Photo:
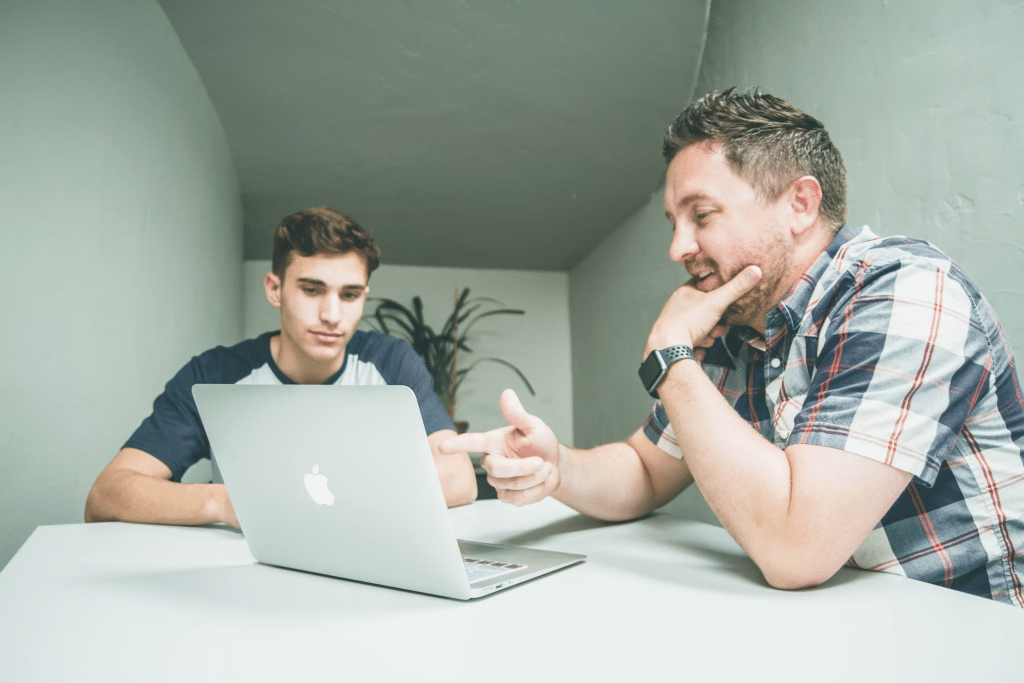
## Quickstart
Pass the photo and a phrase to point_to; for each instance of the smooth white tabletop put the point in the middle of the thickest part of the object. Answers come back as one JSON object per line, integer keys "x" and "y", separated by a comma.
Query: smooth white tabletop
{"x": 658, "y": 599}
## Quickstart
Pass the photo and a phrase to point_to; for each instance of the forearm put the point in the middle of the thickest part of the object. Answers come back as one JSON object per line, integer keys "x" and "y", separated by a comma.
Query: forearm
{"x": 609, "y": 482}
{"x": 746, "y": 480}
{"x": 458, "y": 480}
{"x": 455, "y": 470}
{"x": 799, "y": 513}
{"x": 129, "y": 496}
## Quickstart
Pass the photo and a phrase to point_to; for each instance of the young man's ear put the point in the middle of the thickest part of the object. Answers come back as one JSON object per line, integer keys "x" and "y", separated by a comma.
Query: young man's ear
{"x": 804, "y": 201}
{"x": 272, "y": 285}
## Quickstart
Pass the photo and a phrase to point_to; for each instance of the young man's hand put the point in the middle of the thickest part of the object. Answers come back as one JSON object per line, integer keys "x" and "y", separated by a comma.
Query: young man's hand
{"x": 224, "y": 511}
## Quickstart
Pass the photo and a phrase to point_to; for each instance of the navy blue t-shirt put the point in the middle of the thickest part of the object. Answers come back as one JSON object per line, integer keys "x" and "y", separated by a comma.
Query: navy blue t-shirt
{"x": 174, "y": 433}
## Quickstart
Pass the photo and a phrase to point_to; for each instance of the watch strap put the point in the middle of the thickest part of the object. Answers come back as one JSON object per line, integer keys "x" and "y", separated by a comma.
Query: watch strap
{"x": 679, "y": 352}
{"x": 654, "y": 369}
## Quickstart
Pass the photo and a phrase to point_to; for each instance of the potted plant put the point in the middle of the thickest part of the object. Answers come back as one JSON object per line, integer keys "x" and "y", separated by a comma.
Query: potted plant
{"x": 440, "y": 349}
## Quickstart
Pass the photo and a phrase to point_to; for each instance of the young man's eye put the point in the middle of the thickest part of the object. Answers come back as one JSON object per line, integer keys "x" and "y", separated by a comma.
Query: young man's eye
{"x": 311, "y": 291}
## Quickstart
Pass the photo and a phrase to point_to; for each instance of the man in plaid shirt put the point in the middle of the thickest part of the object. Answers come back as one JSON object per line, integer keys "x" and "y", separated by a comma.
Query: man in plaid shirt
{"x": 839, "y": 398}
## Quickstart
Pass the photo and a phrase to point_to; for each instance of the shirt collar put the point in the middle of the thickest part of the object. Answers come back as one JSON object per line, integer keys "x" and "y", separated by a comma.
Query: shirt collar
{"x": 794, "y": 306}
{"x": 790, "y": 311}
{"x": 726, "y": 350}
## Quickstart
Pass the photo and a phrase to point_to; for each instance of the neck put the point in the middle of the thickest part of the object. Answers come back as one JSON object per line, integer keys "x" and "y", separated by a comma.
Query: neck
{"x": 804, "y": 254}
{"x": 299, "y": 369}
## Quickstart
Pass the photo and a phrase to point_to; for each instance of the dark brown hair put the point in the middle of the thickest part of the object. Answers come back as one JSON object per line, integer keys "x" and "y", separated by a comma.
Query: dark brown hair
{"x": 767, "y": 142}
{"x": 322, "y": 231}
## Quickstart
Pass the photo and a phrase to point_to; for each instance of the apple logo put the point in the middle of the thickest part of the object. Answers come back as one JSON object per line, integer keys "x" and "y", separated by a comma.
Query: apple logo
{"x": 316, "y": 484}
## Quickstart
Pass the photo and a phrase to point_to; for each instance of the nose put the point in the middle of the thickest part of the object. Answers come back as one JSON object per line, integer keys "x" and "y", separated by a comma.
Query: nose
{"x": 330, "y": 310}
{"x": 684, "y": 243}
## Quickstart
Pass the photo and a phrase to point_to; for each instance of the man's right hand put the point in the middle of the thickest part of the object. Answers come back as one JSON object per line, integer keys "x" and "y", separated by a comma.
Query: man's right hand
{"x": 521, "y": 460}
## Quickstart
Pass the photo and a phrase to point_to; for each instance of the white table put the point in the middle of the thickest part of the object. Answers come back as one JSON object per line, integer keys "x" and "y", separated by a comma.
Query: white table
{"x": 659, "y": 599}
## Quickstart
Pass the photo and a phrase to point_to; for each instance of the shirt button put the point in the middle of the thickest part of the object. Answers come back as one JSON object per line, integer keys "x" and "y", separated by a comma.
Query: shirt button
{"x": 775, "y": 362}
{"x": 783, "y": 434}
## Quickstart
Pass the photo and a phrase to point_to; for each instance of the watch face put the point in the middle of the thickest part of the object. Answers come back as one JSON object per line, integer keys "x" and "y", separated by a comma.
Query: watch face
{"x": 654, "y": 369}
{"x": 651, "y": 372}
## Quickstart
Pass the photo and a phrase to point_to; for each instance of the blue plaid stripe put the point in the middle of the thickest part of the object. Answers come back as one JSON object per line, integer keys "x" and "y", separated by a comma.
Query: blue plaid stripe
{"x": 890, "y": 351}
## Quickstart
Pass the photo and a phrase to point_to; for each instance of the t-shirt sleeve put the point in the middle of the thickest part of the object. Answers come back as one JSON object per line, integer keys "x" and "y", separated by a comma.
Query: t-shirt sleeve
{"x": 405, "y": 367}
{"x": 173, "y": 433}
{"x": 899, "y": 363}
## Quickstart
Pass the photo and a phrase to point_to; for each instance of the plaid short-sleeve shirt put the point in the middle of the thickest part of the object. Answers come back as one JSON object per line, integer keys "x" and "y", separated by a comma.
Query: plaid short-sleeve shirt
{"x": 886, "y": 348}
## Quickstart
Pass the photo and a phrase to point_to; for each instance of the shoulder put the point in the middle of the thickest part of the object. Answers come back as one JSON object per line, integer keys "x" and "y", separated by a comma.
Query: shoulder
{"x": 869, "y": 258}
{"x": 229, "y": 364}
{"x": 898, "y": 270}
{"x": 900, "y": 288}
{"x": 374, "y": 358}
{"x": 392, "y": 356}
{"x": 868, "y": 252}
{"x": 369, "y": 344}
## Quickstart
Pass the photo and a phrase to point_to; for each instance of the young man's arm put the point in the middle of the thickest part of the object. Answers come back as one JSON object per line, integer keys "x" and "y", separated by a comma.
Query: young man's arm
{"x": 458, "y": 480}
{"x": 137, "y": 487}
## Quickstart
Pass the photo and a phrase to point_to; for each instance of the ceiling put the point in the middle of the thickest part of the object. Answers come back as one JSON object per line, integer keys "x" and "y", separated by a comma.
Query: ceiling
{"x": 466, "y": 133}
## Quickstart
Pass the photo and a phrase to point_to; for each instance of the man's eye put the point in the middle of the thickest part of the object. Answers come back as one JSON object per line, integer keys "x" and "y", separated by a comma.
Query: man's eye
{"x": 309, "y": 290}
{"x": 349, "y": 296}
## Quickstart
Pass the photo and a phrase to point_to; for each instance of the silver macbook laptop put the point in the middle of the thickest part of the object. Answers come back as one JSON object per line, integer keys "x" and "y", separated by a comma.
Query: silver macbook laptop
{"x": 341, "y": 481}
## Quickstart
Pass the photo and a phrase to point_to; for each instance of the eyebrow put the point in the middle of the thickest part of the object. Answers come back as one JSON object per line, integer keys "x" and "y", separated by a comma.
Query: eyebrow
{"x": 692, "y": 198}
{"x": 321, "y": 283}
{"x": 689, "y": 199}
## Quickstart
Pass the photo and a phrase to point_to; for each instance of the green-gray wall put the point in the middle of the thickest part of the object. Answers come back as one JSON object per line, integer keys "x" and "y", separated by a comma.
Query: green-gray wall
{"x": 121, "y": 230}
{"x": 924, "y": 101}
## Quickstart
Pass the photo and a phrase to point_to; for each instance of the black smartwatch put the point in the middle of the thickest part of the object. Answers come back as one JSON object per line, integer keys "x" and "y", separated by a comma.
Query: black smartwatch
{"x": 654, "y": 369}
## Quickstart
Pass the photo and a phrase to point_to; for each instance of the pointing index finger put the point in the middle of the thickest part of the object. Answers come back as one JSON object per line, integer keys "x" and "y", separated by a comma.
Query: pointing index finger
{"x": 464, "y": 443}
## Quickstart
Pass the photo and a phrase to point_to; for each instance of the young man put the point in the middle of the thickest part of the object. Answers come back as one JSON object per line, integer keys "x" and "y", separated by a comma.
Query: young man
{"x": 322, "y": 263}
{"x": 838, "y": 398}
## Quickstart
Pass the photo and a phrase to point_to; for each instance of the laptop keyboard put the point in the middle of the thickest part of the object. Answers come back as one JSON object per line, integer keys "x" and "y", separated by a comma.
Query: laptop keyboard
{"x": 478, "y": 570}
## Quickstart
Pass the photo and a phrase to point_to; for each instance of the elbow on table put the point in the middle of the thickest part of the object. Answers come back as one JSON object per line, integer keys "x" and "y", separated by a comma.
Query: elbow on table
{"x": 462, "y": 491}
{"x": 616, "y": 511}
{"x": 788, "y": 574}
{"x": 470, "y": 492}
{"x": 93, "y": 507}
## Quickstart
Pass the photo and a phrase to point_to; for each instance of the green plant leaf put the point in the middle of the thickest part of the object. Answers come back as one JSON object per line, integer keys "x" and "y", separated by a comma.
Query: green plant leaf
{"x": 501, "y": 311}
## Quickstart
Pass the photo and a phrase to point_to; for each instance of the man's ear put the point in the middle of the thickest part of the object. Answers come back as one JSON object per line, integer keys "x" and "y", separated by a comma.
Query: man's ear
{"x": 804, "y": 200}
{"x": 272, "y": 285}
